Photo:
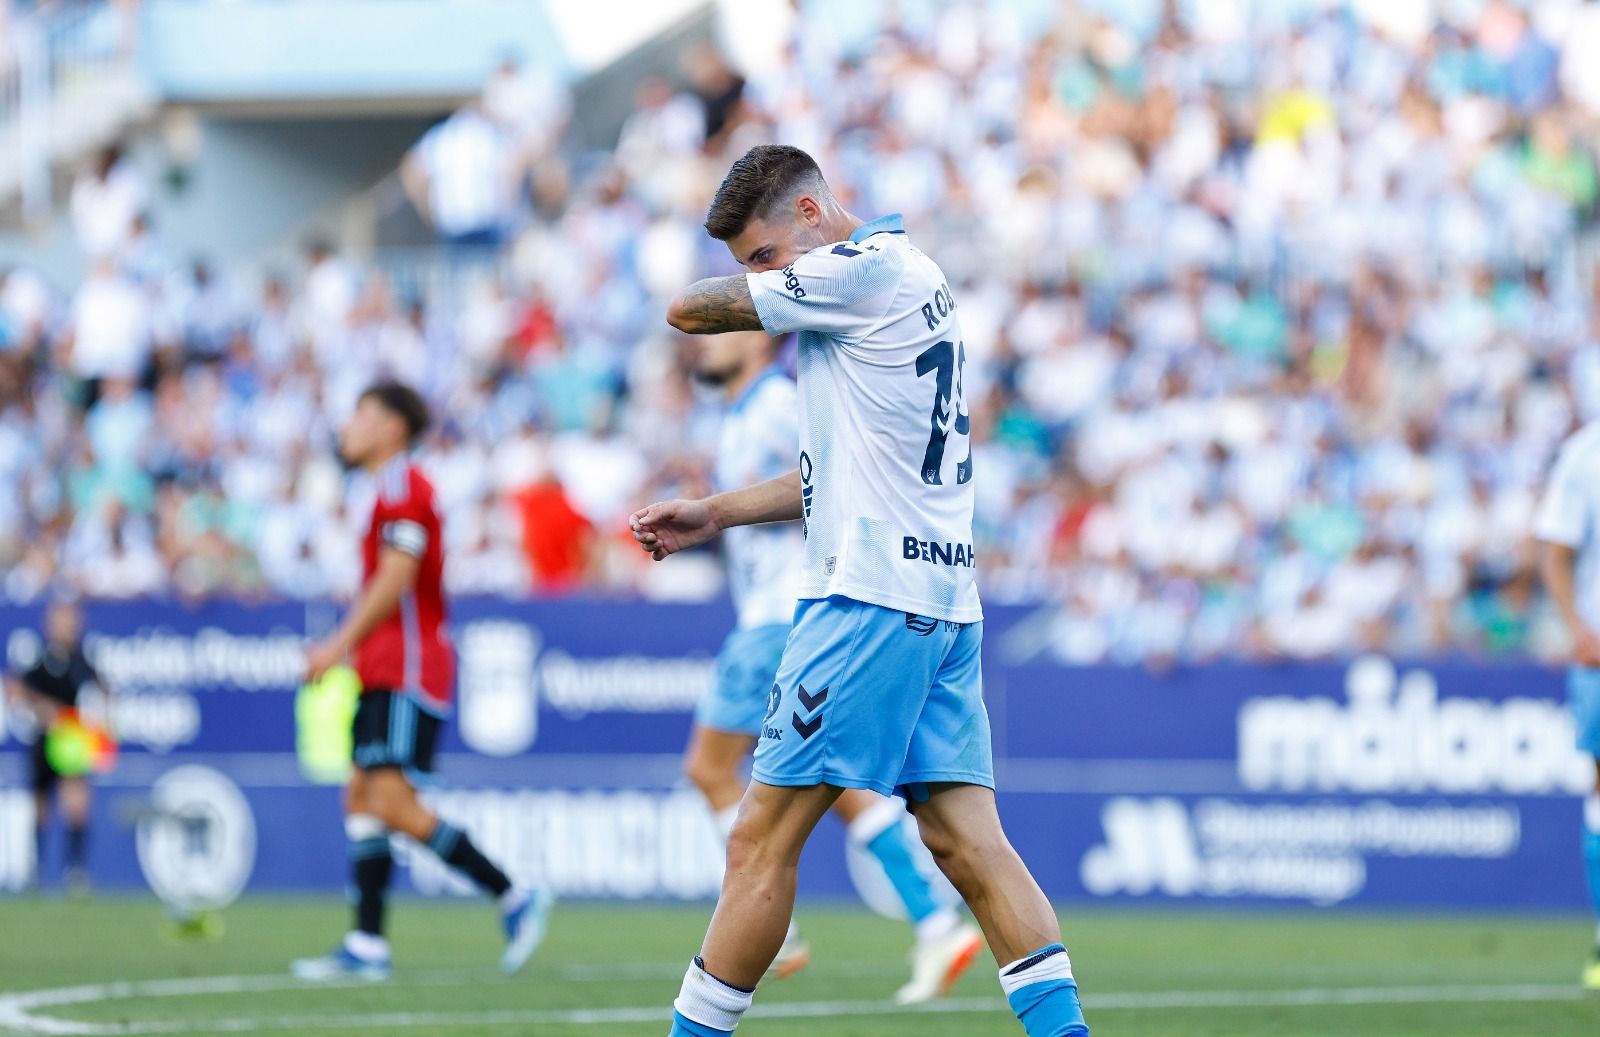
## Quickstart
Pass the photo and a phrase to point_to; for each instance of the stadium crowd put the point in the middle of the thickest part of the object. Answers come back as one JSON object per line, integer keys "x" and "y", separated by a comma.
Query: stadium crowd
{"x": 1276, "y": 313}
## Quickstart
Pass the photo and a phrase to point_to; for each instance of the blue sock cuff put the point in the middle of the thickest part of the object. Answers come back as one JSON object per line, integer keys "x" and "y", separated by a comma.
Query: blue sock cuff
{"x": 1049, "y": 1009}
{"x": 682, "y": 1027}
{"x": 363, "y": 849}
{"x": 444, "y": 838}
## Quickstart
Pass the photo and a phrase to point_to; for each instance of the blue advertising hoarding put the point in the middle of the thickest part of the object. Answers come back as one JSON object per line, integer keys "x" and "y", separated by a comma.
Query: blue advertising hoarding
{"x": 1366, "y": 783}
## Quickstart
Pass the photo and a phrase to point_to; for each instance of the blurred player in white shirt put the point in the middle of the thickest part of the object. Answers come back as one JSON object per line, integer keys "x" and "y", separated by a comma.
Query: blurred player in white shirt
{"x": 1567, "y": 524}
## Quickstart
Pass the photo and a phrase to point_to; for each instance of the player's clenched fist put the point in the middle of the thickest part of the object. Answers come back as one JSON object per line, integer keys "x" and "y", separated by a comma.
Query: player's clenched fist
{"x": 668, "y": 527}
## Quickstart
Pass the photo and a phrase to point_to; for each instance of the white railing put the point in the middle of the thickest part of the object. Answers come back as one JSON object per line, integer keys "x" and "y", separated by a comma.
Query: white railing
{"x": 55, "y": 68}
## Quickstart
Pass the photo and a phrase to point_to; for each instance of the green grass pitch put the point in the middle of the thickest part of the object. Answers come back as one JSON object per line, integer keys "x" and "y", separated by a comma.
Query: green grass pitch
{"x": 611, "y": 971}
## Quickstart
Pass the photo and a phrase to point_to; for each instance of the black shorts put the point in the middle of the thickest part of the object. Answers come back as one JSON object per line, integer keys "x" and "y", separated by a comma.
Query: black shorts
{"x": 45, "y": 777}
{"x": 391, "y": 730}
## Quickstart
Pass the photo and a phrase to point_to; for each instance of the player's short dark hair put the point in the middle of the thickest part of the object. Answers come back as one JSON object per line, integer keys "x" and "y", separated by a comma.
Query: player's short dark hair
{"x": 404, "y": 402}
{"x": 763, "y": 178}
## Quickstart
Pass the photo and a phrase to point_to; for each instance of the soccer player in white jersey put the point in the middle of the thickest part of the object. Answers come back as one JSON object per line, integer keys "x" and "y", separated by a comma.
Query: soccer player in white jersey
{"x": 1569, "y": 523}
{"x": 880, "y": 686}
{"x": 759, "y": 437}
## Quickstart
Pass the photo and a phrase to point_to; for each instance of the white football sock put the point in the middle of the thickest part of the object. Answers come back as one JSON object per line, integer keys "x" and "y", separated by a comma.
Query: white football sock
{"x": 938, "y": 925}
{"x": 707, "y": 1000}
{"x": 874, "y": 821}
{"x": 366, "y": 946}
{"x": 1056, "y": 966}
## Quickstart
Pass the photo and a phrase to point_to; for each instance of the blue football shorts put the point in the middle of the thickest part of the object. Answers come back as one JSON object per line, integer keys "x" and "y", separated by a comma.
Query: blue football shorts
{"x": 869, "y": 697}
{"x": 747, "y": 666}
{"x": 1583, "y": 693}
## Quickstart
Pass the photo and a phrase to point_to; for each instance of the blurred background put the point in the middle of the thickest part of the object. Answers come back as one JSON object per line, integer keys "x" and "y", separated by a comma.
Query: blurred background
{"x": 1276, "y": 313}
{"x": 1278, "y": 310}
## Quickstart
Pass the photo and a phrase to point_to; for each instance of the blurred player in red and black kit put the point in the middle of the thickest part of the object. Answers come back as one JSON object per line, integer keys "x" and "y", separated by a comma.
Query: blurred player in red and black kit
{"x": 403, "y": 655}
{"x": 49, "y": 686}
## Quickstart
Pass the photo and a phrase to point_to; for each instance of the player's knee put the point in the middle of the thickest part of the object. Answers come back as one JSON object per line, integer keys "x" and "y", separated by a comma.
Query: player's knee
{"x": 704, "y": 774}
{"x": 753, "y": 846}
{"x": 965, "y": 858}
{"x": 355, "y": 795}
{"x": 385, "y": 802}
{"x": 746, "y": 848}
{"x": 383, "y": 810}
{"x": 940, "y": 841}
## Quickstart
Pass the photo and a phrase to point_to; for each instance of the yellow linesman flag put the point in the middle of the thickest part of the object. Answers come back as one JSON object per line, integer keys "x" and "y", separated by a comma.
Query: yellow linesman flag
{"x": 323, "y": 713}
{"x": 75, "y": 747}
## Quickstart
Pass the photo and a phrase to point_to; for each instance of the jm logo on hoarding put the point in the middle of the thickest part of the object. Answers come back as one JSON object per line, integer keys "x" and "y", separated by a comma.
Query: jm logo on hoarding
{"x": 1297, "y": 849}
{"x": 1152, "y": 847}
{"x": 499, "y": 687}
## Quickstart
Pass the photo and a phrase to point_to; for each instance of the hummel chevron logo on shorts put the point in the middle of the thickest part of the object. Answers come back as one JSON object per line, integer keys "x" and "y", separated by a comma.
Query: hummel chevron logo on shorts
{"x": 810, "y": 703}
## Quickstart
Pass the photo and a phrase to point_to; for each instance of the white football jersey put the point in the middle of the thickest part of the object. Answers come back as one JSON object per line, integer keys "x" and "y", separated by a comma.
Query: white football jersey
{"x": 885, "y": 452}
{"x": 1570, "y": 511}
{"x": 760, "y": 435}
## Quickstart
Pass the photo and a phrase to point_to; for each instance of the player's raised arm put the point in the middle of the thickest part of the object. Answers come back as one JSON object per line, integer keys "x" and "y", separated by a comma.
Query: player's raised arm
{"x": 667, "y": 527}
{"x": 714, "y": 305}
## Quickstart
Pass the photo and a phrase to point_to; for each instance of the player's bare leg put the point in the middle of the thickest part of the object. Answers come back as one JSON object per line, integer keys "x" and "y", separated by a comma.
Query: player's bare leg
{"x": 961, "y": 828}
{"x": 393, "y": 800}
{"x": 379, "y": 801}
{"x": 946, "y": 945}
{"x": 711, "y": 763}
{"x": 758, "y": 887}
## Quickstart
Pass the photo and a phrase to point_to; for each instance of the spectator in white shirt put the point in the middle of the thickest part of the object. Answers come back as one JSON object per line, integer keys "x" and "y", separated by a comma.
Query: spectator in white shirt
{"x": 107, "y": 197}
{"x": 462, "y": 176}
{"x": 110, "y": 327}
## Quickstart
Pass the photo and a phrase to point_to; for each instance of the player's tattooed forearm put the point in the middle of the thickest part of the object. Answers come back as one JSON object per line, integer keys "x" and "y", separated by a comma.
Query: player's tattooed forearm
{"x": 715, "y": 305}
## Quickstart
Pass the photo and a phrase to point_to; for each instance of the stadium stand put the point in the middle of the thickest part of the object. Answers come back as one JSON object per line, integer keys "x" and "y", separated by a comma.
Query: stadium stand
{"x": 1276, "y": 322}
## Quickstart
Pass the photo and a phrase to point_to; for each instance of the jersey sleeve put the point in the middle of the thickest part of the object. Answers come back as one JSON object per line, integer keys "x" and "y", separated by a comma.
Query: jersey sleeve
{"x": 1564, "y": 512}
{"x": 841, "y": 290}
{"x": 403, "y": 522}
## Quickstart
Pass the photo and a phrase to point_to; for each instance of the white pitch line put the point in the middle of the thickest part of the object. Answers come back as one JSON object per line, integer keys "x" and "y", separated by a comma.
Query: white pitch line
{"x": 18, "y": 1011}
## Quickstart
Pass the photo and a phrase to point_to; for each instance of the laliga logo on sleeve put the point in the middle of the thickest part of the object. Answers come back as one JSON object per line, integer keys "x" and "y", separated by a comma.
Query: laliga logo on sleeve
{"x": 499, "y": 689}
{"x": 792, "y": 283}
{"x": 197, "y": 839}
